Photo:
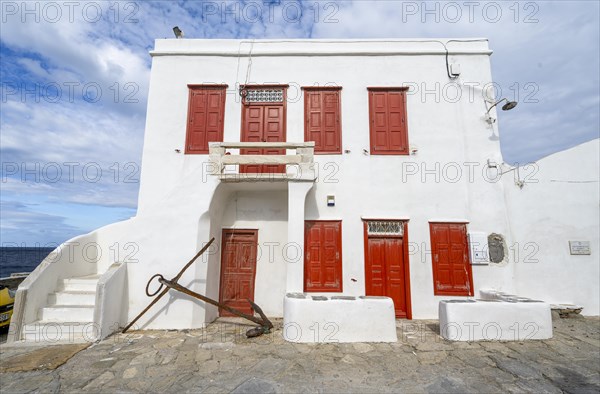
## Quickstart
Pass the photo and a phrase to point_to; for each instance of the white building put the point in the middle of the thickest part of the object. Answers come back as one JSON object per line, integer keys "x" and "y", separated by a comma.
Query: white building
{"x": 405, "y": 165}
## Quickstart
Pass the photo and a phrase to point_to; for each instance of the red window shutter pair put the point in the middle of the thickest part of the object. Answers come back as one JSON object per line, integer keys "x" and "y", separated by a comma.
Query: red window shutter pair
{"x": 452, "y": 274}
{"x": 387, "y": 118}
{"x": 323, "y": 256}
{"x": 322, "y": 119}
{"x": 206, "y": 111}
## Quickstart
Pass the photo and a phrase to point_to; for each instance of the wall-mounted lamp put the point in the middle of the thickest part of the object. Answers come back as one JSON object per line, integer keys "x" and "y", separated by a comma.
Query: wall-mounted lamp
{"x": 506, "y": 107}
{"x": 178, "y": 32}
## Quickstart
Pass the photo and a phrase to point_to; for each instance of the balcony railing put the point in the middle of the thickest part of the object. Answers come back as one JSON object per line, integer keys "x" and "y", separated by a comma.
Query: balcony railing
{"x": 299, "y": 166}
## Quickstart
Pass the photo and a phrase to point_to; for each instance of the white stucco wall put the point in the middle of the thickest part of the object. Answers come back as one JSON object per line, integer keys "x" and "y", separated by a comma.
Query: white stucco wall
{"x": 267, "y": 212}
{"x": 558, "y": 203}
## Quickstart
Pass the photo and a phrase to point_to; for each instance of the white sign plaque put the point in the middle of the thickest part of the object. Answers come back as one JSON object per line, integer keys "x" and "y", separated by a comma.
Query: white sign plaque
{"x": 580, "y": 247}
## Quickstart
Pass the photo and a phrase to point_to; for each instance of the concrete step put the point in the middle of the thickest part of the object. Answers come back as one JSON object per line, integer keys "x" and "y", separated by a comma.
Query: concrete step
{"x": 84, "y": 283}
{"x": 42, "y": 331}
{"x": 87, "y": 298}
{"x": 67, "y": 313}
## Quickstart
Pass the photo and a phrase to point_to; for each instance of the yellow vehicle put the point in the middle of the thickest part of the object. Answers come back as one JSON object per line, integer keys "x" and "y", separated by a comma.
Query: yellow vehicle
{"x": 7, "y": 301}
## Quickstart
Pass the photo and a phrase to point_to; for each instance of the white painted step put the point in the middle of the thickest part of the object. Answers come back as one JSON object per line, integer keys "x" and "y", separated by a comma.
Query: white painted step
{"x": 66, "y": 313}
{"x": 87, "y": 298}
{"x": 65, "y": 332}
{"x": 84, "y": 283}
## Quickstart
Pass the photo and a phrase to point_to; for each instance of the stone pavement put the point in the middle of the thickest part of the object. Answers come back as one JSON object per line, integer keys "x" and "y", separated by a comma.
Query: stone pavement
{"x": 220, "y": 359}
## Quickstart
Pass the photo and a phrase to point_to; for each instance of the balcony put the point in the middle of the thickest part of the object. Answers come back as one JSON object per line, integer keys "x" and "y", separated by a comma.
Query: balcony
{"x": 299, "y": 166}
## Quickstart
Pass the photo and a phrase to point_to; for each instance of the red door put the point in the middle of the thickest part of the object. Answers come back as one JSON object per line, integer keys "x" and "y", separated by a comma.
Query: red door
{"x": 452, "y": 274}
{"x": 263, "y": 122}
{"x": 238, "y": 269}
{"x": 386, "y": 263}
{"x": 323, "y": 256}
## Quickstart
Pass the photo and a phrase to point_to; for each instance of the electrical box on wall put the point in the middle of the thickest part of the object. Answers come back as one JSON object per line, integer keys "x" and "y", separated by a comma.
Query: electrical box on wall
{"x": 455, "y": 69}
{"x": 331, "y": 200}
{"x": 478, "y": 248}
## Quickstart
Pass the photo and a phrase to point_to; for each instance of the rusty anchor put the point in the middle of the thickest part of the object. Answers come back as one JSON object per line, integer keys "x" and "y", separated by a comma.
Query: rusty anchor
{"x": 264, "y": 323}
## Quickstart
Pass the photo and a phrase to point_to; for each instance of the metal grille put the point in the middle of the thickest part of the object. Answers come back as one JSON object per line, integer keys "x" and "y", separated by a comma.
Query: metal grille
{"x": 264, "y": 95}
{"x": 380, "y": 227}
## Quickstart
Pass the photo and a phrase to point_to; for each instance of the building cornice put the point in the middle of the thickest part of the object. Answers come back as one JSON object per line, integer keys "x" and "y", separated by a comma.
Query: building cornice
{"x": 258, "y": 48}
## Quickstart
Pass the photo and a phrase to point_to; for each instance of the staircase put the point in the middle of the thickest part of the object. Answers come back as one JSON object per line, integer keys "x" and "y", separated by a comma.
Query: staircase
{"x": 68, "y": 315}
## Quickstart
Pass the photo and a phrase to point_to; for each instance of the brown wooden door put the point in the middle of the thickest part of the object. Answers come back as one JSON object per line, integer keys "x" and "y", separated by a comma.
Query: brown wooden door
{"x": 323, "y": 256}
{"x": 452, "y": 274}
{"x": 238, "y": 269}
{"x": 263, "y": 123}
{"x": 385, "y": 271}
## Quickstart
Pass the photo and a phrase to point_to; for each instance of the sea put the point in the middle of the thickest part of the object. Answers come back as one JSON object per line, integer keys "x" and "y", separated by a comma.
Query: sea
{"x": 21, "y": 259}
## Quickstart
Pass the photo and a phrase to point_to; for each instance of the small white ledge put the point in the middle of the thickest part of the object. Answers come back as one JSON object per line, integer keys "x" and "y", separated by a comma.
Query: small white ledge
{"x": 510, "y": 319}
{"x": 310, "y": 319}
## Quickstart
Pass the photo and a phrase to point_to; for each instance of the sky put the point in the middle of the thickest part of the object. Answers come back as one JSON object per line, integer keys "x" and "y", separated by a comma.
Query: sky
{"x": 74, "y": 82}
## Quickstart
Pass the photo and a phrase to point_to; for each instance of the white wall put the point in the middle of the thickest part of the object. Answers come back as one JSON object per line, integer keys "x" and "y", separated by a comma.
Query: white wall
{"x": 448, "y": 134}
{"x": 559, "y": 203}
{"x": 267, "y": 212}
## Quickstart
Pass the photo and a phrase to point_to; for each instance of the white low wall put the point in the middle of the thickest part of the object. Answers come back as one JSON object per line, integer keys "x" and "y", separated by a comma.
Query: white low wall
{"x": 309, "y": 319}
{"x": 110, "y": 311}
{"x": 470, "y": 320}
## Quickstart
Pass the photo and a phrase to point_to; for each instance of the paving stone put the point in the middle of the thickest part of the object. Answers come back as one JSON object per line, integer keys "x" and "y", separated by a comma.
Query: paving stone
{"x": 515, "y": 367}
{"x": 431, "y": 357}
{"x": 255, "y": 385}
{"x": 362, "y": 347}
{"x": 445, "y": 384}
{"x": 130, "y": 373}
{"x": 217, "y": 345}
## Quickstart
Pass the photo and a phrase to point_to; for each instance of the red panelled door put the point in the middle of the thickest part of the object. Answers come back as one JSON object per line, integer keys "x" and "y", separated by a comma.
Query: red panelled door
{"x": 386, "y": 273}
{"x": 323, "y": 256}
{"x": 206, "y": 109}
{"x": 322, "y": 119}
{"x": 452, "y": 274}
{"x": 388, "y": 129}
{"x": 263, "y": 122}
{"x": 238, "y": 269}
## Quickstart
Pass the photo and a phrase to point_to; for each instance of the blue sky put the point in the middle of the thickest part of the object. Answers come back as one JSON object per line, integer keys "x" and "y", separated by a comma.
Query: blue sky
{"x": 74, "y": 79}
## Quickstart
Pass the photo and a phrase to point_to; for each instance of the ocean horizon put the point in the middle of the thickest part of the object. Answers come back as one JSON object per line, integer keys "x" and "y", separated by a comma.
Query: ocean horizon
{"x": 21, "y": 259}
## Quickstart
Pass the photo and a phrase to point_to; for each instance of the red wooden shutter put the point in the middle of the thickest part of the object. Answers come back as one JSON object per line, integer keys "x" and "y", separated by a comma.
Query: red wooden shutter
{"x": 206, "y": 110}
{"x": 323, "y": 256}
{"x": 452, "y": 274}
{"x": 322, "y": 123}
{"x": 387, "y": 118}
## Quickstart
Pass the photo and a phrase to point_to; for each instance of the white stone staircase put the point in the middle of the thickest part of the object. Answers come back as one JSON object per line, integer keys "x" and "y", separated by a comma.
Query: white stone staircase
{"x": 68, "y": 315}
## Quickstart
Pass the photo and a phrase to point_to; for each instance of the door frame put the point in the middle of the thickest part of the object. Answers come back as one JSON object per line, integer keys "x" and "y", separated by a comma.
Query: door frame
{"x": 224, "y": 232}
{"x": 407, "y": 291}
